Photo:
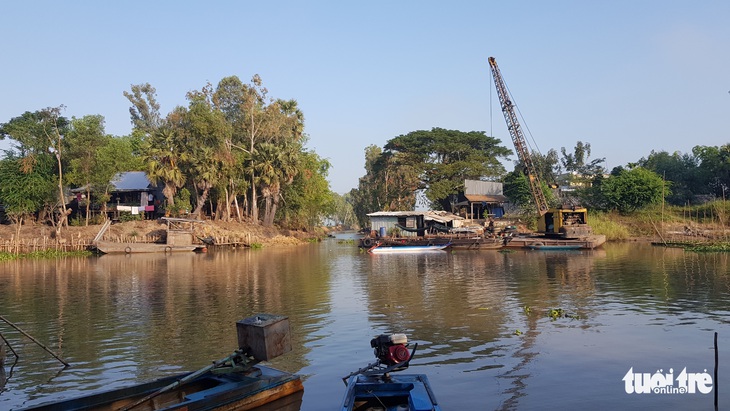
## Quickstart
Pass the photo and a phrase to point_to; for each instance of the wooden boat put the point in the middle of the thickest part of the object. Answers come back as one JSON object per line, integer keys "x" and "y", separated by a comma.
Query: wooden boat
{"x": 589, "y": 242}
{"x": 375, "y": 388}
{"x": 392, "y": 249}
{"x": 230, "y": 391}
{"x": 179, "y": 237}
{"x": 556, "y": 247}
{"x": 109, "y": 247}
{"x": 477, "y": 243}
{"x": 235, "y": 383}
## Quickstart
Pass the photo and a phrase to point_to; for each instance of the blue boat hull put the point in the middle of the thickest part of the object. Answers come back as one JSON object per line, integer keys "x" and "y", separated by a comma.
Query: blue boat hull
{"x": 399, "y": 392}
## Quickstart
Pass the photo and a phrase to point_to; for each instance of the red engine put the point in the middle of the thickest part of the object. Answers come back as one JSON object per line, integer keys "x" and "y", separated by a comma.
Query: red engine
{"x": 391, "y": 349}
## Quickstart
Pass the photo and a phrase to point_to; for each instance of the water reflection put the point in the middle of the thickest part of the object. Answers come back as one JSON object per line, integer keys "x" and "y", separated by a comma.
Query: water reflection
{"x": 481, "y": 318}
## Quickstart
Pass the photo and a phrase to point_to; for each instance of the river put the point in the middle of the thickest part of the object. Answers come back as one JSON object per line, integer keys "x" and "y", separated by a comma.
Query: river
{"x": 481, "y": 319}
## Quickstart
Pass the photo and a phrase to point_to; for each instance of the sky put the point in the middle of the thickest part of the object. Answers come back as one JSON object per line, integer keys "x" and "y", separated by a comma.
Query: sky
{"x": 627, "y": 77}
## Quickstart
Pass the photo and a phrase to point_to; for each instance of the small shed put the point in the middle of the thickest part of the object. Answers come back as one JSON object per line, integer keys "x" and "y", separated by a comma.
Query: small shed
{"x": 482, "y": 199}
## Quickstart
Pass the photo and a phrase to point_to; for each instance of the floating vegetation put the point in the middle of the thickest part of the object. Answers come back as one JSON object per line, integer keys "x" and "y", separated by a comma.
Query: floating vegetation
{"x": 518, "y": 332}
{"x": 350, "y": 241}
{"x": 527, "y": 309}
{"x": 556, "y": 313}
{"x": 256, "y": 245}
{"x": 45, "y": 254}
{"x": 710, "y": 248}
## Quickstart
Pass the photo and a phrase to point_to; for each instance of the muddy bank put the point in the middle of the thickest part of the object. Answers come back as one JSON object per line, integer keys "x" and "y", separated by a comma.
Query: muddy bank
{"x": 154, "y": 229}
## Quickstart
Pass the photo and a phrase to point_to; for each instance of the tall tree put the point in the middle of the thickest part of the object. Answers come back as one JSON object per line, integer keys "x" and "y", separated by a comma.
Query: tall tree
{"x": 206, "y": 133}
{"x": 42, "y": 132}
{"x": 444, "y": 158}
{"x": 84, "y": 140}
{"x": 163, "y": 154}
{"x": 682, "y": 170}
{"x": 27, "y": 185}
{"x": 117, "y": 155}
{"x": 715, "y": 168}
{"x": 576, "y": 163}
{"x": 145, "y": 110}
{"x": 309, "y": 198}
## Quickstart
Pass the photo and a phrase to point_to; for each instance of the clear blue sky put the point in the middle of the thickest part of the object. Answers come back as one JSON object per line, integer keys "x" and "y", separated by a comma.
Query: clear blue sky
{"x": 627, "y": 77}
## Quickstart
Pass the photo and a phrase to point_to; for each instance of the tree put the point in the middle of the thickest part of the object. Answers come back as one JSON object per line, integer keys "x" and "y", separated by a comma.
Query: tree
{"x": 442, "y": 159}
{"x": 682, "y": 170}
{"x": 343, "y": 213}
{"x": 84, "y": 140}
{"x": 163, "y": 156}
{"x": 27, "y": 185}
{"x": 205, "y": 133}
{"x": 581, "y": 170}
{"x": 309, "y": 198}
{"x": 42, "y": 132}
{"x": 714, "y": 168}
{"x": 114, "y": 157}
{"x": 256, "y": 118}
{"x": 630, "y": 190}
{"x": 145, "y": 111}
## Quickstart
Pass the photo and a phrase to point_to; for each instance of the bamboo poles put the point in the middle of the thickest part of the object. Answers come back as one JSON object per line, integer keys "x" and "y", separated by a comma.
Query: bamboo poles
{"x": 34, "y": 340}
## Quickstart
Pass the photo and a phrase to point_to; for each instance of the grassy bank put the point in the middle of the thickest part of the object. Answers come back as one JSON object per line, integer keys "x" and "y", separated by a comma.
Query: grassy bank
{"x": 703, "y": 224}
{"x": 37, "y": 255}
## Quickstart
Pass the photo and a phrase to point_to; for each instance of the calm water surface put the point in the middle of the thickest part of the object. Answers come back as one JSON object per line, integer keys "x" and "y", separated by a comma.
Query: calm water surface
{"x": 481, "y": 320}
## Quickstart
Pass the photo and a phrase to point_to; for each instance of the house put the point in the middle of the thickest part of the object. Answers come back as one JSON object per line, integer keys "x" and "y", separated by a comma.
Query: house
{"x": 130, "y": 192}
{"x": 412, "y": 223}
{"x": 133, "y": 192}
{"x": 481, "y": 199}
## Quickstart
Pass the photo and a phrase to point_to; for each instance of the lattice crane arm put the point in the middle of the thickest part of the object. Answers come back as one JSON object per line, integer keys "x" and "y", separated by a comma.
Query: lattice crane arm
{"x": 518, "y": 139}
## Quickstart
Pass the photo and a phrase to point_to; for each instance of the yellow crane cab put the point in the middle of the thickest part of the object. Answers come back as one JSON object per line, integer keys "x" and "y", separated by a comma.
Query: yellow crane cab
{"x": 565, "y": 222}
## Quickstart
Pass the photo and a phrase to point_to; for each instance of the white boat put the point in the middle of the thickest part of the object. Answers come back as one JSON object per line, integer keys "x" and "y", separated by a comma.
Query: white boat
{"x": 391, "y": 249}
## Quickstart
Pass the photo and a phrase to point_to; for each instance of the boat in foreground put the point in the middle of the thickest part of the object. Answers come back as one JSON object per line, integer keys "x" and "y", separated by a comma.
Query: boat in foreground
{"x": 235, "y": 383}
{"x": 375, "y": 388}
{"x": 389, "y": 249}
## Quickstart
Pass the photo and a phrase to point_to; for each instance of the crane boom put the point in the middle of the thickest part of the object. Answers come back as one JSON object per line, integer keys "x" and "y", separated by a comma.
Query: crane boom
{"x": 518, "y": 139}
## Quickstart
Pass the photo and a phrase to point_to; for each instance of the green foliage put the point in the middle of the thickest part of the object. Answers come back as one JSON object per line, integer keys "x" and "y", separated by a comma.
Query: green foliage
{"x": 46, "y": 254}
{"x": 343, "y": 213}
{"x": 124, "y": 217}
{"x": 181, "y": 205}
{"x": 27, "y": 184}
{"x": 442, "y": 159}
{"x": 630, "y": 190}
{"x": 710, "y": 248}
{"x": 309, "y": 198}
{"x": 608, "y": 225}
{"x": 577, "y": 164}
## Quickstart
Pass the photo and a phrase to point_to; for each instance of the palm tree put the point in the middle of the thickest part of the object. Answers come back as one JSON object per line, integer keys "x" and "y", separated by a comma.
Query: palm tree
{"x": 163, "y": 158}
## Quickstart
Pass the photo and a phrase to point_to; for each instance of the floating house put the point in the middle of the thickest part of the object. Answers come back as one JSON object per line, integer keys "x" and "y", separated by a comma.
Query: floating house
{"x": 481, "y": 200}
{"x": 412, "y": 223}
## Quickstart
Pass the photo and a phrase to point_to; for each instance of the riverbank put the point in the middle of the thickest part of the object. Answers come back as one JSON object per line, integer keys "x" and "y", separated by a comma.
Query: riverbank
{"x": 73, "y": 238}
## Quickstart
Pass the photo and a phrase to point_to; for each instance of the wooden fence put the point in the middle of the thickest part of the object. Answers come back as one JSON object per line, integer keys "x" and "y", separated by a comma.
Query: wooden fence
{"x": 79, "y": 244}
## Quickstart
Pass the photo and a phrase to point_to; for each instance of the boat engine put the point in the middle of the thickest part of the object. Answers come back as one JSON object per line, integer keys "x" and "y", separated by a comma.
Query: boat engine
{"x": 391, "y": 349}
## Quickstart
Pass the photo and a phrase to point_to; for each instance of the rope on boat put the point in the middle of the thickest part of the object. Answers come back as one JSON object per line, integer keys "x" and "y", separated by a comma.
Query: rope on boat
{"x": 232, "y": 358}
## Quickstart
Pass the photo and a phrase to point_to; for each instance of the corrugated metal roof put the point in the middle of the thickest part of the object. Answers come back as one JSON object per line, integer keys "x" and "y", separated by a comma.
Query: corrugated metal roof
{"x": 477, "y": 187}
{"x": 495, "y": 198}
{"x": 132, "y": 181}
{"x": 440, "y": 216}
